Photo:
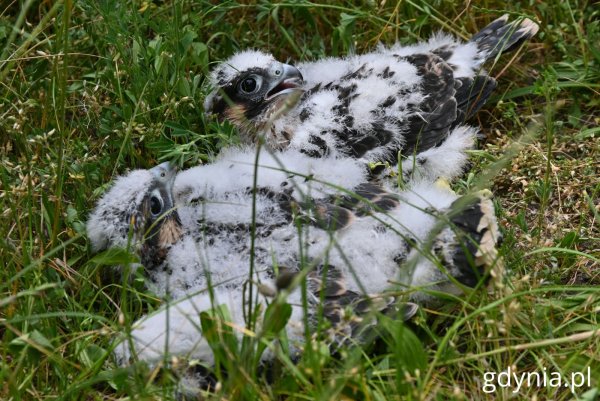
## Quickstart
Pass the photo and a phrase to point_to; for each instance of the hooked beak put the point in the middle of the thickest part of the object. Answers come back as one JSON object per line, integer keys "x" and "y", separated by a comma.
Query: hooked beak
{"x": 166, "y": 173}
{"x": 290, "y": 81}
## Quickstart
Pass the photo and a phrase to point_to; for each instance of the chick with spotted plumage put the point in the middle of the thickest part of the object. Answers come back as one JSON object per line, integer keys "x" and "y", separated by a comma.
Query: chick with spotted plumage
{"x": 359, "y": 246}
{"x": 407, "y": 103}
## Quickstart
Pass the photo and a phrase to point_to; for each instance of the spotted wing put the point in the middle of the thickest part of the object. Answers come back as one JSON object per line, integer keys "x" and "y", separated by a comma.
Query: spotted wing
{"x": 350, "y": 315}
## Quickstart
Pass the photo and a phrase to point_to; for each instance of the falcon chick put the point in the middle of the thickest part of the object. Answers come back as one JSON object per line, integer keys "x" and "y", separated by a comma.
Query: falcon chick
{"x": 403, "y": 100}
{"x": 138, "y": 212}
{"x": 358, "y": 245}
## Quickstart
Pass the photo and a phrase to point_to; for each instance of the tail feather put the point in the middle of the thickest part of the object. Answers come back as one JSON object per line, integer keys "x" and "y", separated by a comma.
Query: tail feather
{"x": 476, "y": 236}
{"x": 500, "y": 36}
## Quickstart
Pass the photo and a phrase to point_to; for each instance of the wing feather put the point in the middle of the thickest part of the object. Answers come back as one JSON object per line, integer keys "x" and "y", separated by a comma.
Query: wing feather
{"x": 430, "y": 125}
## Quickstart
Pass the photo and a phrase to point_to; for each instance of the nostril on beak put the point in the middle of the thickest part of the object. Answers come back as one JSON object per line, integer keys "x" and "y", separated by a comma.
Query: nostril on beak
{"x": 164, "y": 171}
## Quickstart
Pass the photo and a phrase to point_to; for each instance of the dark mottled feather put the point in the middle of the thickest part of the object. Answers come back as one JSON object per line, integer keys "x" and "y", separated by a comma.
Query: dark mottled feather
{"x": 500, "y": 36}
{"x": 471, "y": 95}
{"x": 467, "y": 225}
{"x": 437, "y": 113}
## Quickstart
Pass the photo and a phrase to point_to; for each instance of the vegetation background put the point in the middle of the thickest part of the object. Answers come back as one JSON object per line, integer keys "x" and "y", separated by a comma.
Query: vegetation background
{"x": 90, "y": 89}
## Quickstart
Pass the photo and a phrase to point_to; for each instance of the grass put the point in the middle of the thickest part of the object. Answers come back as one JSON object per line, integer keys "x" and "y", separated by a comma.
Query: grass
{"x": 89, "y": 89}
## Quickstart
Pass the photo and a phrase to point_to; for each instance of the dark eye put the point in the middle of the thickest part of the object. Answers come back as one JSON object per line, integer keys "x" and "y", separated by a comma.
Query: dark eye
{"x": 248, "y": 85}
{"x": 155, "y": 206}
